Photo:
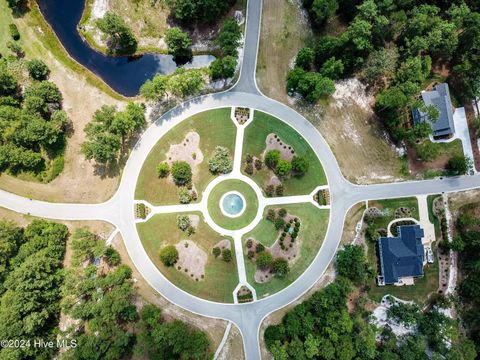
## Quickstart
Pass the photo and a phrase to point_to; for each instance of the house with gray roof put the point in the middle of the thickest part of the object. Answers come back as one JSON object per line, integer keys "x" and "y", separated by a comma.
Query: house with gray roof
{"x": 440, "y": 98}
{"x": 402, "y": 257}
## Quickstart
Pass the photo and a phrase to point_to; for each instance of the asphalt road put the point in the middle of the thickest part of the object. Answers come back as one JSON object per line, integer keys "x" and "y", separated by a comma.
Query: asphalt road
{"x": 120, "y": 212}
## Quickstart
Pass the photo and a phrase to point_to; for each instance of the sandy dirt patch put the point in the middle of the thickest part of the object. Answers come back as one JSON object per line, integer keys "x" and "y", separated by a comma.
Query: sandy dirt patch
{"x": 224, "y": 244}
{"x": 99, "y": 9}
{"x": 194, "y": 220}
{"x": 233, "y": 348}
{"x": 188, "y": 150}
{"x": 191, "y": 260}
{"x": 275, "y": 181}
{"x": 273, "y": 142}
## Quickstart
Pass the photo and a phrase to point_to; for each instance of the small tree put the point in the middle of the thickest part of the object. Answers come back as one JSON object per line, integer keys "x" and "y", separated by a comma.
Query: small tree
{"x": 300, "y": 165}
{"x": 271, "y": 215}
{"x": 283, "y": 168}
{"x": 264, "y": 260}
{"x": 163, "y": 169}
{"x": 181, "y": 172}
{"x": 221, "y": 162}
{"x": 259, "y": 248}
{"x": 351, "y": 263}
{"x": 279, "y": 190}
{"x": 272, "y": 157}
{"x": 169, "y": 255}
{"x": 14, "y": 32}
{"x": 282, "y": 212}
{"x": 280, "y": 267}
{"x": 459, "y": 165}
{"x": 227, "y": 255}
{"x": 279, "y": 223}
{"x": 178, "y": 42}
{"x": 120, "y": 38}
{"x": 258, "y": 164}
{"x": 37, "y": 69}
{"x": 183, "y": 222}
{"x": 216, "y": 251}
{"x": 270, "y": 190}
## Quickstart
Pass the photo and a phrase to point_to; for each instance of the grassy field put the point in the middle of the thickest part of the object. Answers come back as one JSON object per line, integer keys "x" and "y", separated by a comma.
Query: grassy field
{"x": 388, "y": 207}
{"x": 221, "y": 278}
{"x": 314, "y": 227}
{"x": 215, "y": 129}
{"x": 254, "y": 144}
{"x": 250, "y": 210}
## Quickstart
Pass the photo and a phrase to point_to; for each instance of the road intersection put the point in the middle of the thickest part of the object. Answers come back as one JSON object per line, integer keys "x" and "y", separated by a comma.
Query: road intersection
{"x": 119, "y": 210}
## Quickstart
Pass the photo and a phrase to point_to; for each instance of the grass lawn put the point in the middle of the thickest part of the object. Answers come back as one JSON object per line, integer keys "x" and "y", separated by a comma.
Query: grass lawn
{"x": 221, "y": 278}
{"x": 433, "y": 219}
{"x": 254, "y": 144}
{"x": 250, "y": 210}
{"x": 215, "y": 129}
{"x": 314, "y": 227}
{"x": 419, "y": 292}
{"x": 388, "y": 207}
{"x": 437, "y": 167}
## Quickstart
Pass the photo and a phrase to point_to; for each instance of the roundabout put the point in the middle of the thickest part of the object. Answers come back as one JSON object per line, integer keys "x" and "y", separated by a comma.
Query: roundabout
{"x": 162, "y": 199}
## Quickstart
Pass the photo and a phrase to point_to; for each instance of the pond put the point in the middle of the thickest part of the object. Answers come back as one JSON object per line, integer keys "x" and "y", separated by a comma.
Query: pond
{"x": 124, "y": 74}
{"x": 232, "y": 204}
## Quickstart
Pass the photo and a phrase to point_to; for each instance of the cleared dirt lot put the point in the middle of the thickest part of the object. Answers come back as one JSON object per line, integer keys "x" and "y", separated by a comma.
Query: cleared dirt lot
{"x": 346, "y": 120}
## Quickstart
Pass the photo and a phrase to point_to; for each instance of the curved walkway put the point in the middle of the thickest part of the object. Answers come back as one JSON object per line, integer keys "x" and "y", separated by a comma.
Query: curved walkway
{"x": 119, "y": 210}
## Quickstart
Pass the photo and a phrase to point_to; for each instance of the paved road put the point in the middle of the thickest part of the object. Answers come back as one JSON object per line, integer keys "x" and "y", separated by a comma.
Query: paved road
{"x": 119, "y": 209}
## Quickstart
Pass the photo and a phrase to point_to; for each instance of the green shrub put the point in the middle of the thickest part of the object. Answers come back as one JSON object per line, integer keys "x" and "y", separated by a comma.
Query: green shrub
{"x": 221, "y": 162}
{"x": 269, "y": 190}
{"x": 37, "y": 69}
{"x": 141, "y": 211}
{"x": 300, "y": 165}
{"x": 279, "y": 223}
{"x": 264, "y": 260}
{"x": 216, "y": 251}
{"x": 181, "y": 172}
{"x": 14, "y": 32}
{"x": 280, "y": 267}
{"x": 271, "y": 215}
{"x": 184, "y": 196}
{"x": 227, "y": 255}
{"x": 163, "y": 169}
{"x": 258, "y": 164}
{"x": 169, "y": 255}
{"x": 112, "y": 255}
{"x": 183, "y": 222}
{"x": 272, "y": 157}
{"x": 283, "y": 168}
{"x": 259, "y": 248}
{"x": 282, "y": 212}
{"x": 249, "y": 169}
{"x": 279, "y": 190}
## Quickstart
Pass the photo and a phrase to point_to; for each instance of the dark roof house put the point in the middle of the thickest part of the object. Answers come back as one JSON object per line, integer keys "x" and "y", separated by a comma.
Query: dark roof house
{"x": 401, "y": 256}
{"x": 440, "y": 98}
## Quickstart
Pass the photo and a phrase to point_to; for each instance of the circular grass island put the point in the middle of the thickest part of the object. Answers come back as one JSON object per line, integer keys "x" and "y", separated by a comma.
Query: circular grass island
{"x": 232, "y": 204}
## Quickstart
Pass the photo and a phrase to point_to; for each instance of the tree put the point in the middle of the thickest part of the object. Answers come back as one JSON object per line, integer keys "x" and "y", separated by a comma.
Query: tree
{"x": 37, "y": 69}
{"x": 46, "y": 90}
{"x": 8, "y": 84}
{"x": 204, "y": 11}
{"x": 223, "y": 67}
{"x": 280, "y": 267}
{"x": 305, "y": 58}
{"x": 178, "y": 43}
{"x": 169, "y": 255}
{"x": 293, "y": 78}
{"x": 332, "y": 69}
{"x": 264, "y": 260}
{"x": 380, "y": 65}
{"x": 185, "y": 82}
{"x": 283, "y": 168}
{"x": 459, "y": 165}
{"x": 227, "y": 255}
{"x": 216, "y": 251}
{"x": 221, "y": 162}
{"x": 300, "y": 165}
{"x": 120, "y": 38}
{"x": 229, "y": 38}
{"x": 14, "y": 32}
{"x": 321, "y": 10}
{"x": 313, "y": 85}
{"x": 156, "y": 88}
{"x": 272, "y": 157}
{"x": 351, "y": 263}
{"x": 163, "y": 169}
{"x": 181, "y": 172}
